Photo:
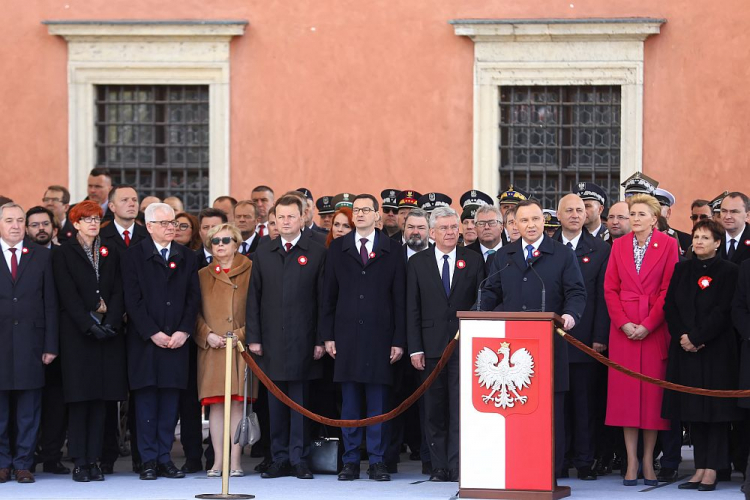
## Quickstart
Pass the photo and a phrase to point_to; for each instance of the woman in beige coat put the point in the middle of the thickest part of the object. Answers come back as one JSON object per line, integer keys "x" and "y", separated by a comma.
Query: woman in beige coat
{"x": 224, "y": 285}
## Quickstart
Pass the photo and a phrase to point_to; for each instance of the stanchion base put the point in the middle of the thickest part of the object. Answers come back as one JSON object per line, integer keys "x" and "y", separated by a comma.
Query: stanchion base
{"x": 221, "y": 495}
{"x": 557, "y": 493}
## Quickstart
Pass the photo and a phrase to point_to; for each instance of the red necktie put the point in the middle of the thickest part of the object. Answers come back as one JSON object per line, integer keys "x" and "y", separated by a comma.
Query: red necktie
{"x": 262, "y": 229}
{"x": 13, "y": 263}
{"x": 126, "y": 236}
{"x": 288, "y": 247}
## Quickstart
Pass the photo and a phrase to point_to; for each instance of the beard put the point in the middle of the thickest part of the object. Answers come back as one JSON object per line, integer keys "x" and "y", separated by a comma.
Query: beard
{"x": 416, "y": 243}
{"x": 42, "y": 238}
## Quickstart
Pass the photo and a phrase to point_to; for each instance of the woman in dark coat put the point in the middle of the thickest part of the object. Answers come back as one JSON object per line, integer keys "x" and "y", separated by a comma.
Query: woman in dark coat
{"x": 703, "y": 351}
{"x": 92, "y": 348}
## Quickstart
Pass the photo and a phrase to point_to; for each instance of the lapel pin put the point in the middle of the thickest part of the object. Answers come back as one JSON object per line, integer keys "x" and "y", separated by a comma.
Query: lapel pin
{"x": 217, "y": 269}
{"x": 172, "y": 265}
{"x": 103, "y": 251}
{"x": 747, "y": 243}
{"x": 372, "y": 255}
{"x": 536, "y": 253}
{"x": 656, "y": 245}
{"x": 24, "y": 250}
{"x": 302, "y": 260}
{"x": 460, "y": 264}
{"x": 585, "y": 260}
{"x": 704, "y": 282}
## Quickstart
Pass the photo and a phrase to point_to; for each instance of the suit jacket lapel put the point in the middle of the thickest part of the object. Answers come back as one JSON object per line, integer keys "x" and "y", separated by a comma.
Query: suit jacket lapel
{"x": 742, "y": 245}
{"x": 458, "y": 273}
{"x": 656, "y": 248}
{"x": 349, "y": 246}
{"x": 23, "y": 259}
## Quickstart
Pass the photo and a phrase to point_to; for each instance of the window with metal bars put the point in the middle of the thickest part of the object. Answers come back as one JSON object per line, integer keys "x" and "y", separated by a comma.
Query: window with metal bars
{"x": 552, "y": 137}
{"x": 155, "y": 137}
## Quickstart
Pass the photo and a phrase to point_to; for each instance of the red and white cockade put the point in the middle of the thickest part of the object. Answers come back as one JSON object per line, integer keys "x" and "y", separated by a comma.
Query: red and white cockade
{"x": 704, "y": 282}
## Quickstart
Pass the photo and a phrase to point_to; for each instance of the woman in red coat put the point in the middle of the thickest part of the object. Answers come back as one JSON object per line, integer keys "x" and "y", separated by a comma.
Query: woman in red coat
{"x": 635, "y": 285}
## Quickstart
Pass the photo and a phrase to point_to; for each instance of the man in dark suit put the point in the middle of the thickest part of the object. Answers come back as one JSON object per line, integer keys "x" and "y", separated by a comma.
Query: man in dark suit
{"x": 121, "y": 233}
{"x": 416, "y": 232}
{"x": 363, "y": 323}
{"x": 245, "y": 217}
{"x": 440, "y": 282}
{"x": 98, "y": 186}
{"x": 734, "y": 213}
{"x": 519, "y": 275}
{"x": 162, "y": 297}
{"x": 57, "y": 200}
{"x": 490, "y": 235}
{"x": 29, "y": 336}
{"x": 583, "y": 404}
{"x": 207, "y": 219}
{"x": 282, "y": 330}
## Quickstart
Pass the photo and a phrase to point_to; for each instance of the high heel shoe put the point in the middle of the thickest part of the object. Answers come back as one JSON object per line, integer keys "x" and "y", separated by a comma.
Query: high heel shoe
{"x": 630, "y": 482}
{"x": 707, "y": 487}
{"x": 690, "y": 485}
{"x": 650, "y": 482}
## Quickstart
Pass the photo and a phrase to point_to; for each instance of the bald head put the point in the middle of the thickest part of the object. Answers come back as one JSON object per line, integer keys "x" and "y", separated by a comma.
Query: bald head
{"x": 571, "y": 211}
{"x": 618, "y": 219}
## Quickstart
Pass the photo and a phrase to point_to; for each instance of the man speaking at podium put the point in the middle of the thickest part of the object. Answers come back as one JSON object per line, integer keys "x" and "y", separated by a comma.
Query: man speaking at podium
{"x": 538, "y": 274}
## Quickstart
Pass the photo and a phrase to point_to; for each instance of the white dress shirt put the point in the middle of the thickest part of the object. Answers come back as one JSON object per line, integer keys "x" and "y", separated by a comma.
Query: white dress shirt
{"x": 728, "y": 243}
{"x": 7, "y": 253}
{"x": 121, "y": 230}
{"x": 573, "y": 242}
{"x": 486, "y": 249}
{"x": 525, "y": 243}
{"x": 451, "y": 263}
{"x": 370, "y": 241}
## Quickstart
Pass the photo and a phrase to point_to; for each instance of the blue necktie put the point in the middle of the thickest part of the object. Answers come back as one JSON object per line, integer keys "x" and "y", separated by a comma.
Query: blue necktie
{"x": 164, "y": 252}
{"x": 488, "y": 253}
{"x": 570, "y": 245}
{"x": 446, "y": 275}
{"x": 529, "y": 253}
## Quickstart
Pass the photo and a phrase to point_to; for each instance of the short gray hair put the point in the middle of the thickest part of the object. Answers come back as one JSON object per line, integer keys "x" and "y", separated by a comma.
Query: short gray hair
{"x": 442, "y": 212}
{"x": 12, "y": 204}
{"x": 417, "y": 212}
{"x": 157, "y": 207}
{"x": 486, "y": 209}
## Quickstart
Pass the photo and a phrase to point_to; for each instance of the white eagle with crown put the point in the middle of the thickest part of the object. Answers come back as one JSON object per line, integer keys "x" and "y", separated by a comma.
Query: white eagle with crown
{"x": 504, "y": 380}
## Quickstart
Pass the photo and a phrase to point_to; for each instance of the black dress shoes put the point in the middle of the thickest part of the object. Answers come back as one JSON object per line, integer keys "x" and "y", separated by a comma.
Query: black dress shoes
{"x": 137, "y": 467}
{"x": 667, "y": 475}
{"x": 427, "y": 468}
{"x": 81, "y": 474}
{"x": 107, "y": 468}
{"x": 707, "y": 487}
{"x": 303, "y": 471}
{"x": 350, "y": 472}
{"x": 263, "y": 466}
{"x": 439, "y": 475}
{"x": 148, "y": 471}
{"x": 277, "y": 469}
{"x": 392, "y": 467}
{"x": 170, "y": 471}
{"x": 192, "y": 466}
{"x": 55, "y": 468}
{"x": 586, "y": 474}
{"x": 95, "y": 473}
{"x": 453, "y": 476}
{"x": 379, "y": 472}
{"x": 689, "y": 486}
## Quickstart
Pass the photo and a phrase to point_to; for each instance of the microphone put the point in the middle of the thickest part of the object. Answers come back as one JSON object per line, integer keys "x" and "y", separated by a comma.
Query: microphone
{"x": 544, "y": 292}
{"x": 481, "y": 284}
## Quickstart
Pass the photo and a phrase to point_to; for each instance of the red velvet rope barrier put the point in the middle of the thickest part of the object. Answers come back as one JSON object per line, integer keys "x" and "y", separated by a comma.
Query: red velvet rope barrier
{"x": 273, "y": 389}
{"x": 714, "y": 393}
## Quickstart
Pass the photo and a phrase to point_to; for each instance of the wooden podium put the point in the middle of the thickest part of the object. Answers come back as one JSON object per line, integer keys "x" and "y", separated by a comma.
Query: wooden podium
{"x": 507, "y": 437}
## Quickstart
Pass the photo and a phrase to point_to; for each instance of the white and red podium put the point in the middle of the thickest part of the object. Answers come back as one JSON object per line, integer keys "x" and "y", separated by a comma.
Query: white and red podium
{"x": 507, "y": 432}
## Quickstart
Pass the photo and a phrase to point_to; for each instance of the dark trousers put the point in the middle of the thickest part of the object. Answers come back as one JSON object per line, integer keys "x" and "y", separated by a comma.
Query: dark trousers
{"x": 156, "y": 418}
{"x": 135, "y": 455}
{"x": 191, "y": 426}
{"x": 54, "y": 419}
{"x": 28, "y": 411}
{"x": 711, "y": 444}
{"x": 441, "y": 404}
{"x": 86, "y": 431}
{"x": 261, "y": 409}
{"x": 376, "y": 397}
{"x": 582, "y": 406}
{"x": 559, "y": 432}
{"x": 111, "y": 445}
{"x": 290, "y": 433}
{"x": 671, "y": 445}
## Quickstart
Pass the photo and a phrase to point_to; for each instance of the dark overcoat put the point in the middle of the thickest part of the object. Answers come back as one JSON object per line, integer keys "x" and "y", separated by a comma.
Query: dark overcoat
{"x": 592, "y": 254}
{"x": 431, "y": 320}
{"x": 742, "y": 251}
{"x": 283, "y": 308}
{"x": 704, "y": 313}
{"x": 159, "y": 297}
{"x": 28, "y": 319}
{"x": 741, "y": 320}
{"x": 111, "y": 237}
{"x": 91, "y": 369}
{"x": 515, "y": 287}
{"x": 363, "y": 308}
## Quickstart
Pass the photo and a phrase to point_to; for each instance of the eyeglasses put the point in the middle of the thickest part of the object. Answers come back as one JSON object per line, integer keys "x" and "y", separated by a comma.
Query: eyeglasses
{"x": 695, "y": 217}
{"x": 51, "y": 200}
{"x": 387, "y": 210}
{"x": 184, "y": 226}
{"x": 488, "y": 223}
{"x": 91, "y": 220}
{"x": 225, "y": 240}
{"x": 444, "y": 229}
{"x": 165, "y": 223}
{"x": 35, "y": 225}
{"x": 363, "y": 211}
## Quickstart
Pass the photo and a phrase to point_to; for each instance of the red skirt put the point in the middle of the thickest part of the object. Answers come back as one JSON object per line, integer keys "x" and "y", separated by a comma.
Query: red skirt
{"x": 220, "y": 399}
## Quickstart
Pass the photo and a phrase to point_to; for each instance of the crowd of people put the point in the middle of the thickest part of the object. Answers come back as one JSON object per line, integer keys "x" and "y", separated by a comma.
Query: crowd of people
{"x": 122, "y": 297}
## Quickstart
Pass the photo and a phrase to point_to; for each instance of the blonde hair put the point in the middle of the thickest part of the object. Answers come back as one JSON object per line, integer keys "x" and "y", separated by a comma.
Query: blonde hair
{"x": 645, "y": 199}
{"x": 236, "y": 234}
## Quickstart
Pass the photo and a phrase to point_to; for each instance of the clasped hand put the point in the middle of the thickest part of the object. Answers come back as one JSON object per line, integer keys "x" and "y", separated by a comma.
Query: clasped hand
{"x": 687, "y": 345}
{"x": 635, "y": 332}
{"x": 175, "y": 341}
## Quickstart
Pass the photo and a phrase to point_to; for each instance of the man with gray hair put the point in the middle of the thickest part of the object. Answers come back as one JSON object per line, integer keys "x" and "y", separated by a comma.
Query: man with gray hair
{"x": 416, "y": 226}
{"x": 432, "y": 323}
{"x": 162, "y": 297}
{"x": 490, "y": 234}
{"x": 29, "y": 335}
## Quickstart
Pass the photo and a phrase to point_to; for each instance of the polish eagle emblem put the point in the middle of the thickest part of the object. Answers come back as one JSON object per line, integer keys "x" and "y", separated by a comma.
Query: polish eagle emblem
{"x": 505, "y": 377}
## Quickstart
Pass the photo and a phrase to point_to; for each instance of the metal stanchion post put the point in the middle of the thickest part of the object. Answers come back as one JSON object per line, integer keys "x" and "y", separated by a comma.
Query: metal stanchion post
{"x": 227, "y": 427}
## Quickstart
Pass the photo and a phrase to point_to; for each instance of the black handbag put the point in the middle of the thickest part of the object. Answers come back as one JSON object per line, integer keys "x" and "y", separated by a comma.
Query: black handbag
{"x": 326, "y": 455}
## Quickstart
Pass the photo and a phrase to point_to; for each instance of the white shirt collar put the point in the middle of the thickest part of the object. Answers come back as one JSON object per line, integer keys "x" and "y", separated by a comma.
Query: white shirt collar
{"x": 249, "y": 241}
{"x": 573, "y": 242}
{"x": 525, "y": 243}
{"x": 121, "y": 229}
{"x": 168, "y": 247}
{"x": 597, "y": 231}
{"x": 5, "y": 246}
{"x": 439, "y": 256}
{"x": 370, "y": 237}
{"x": 293, "y": 242}
{"x": 496, "y": 248}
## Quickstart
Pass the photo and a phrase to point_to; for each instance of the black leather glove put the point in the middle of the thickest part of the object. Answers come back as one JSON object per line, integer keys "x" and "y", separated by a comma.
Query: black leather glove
{"x": 111, "y": 332}
{"x": 98, "y": 331}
